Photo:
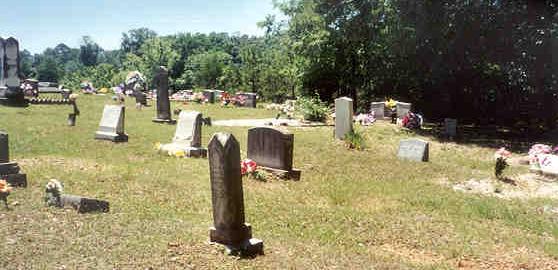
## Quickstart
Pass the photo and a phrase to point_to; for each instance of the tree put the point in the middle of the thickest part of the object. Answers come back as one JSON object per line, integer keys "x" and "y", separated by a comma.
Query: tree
{"x": 89, "y": 51}
{"x": 48, "y": 70}
{"x": 134, "y": 39}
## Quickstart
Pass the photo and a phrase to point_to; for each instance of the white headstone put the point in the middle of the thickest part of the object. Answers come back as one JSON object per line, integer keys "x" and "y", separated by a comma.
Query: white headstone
{"x": 343, "y": 117}
{"x": 548, "y": 164}
{"x": 413, "y": 149}
{"x": 402, "y": 109}
{"x": 187, "y": 138}
{"x": 2, "y": 59}
{"x": 379, "y": 109}
{"x": 111, "y": 126}
{"x": 12, "y": 63}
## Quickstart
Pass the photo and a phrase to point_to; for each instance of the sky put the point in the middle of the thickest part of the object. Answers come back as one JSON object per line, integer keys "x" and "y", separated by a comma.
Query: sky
{"x": 39, "y": 24}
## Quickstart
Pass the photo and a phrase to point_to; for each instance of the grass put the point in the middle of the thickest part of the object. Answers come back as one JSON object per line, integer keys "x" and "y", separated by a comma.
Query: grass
{"x": 351, "y": 209}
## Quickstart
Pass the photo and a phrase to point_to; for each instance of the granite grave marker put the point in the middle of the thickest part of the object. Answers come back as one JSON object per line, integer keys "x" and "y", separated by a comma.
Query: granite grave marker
{"x": 187, "y": 136}
{"x": 111, "y": 127}
{"x": 272, "y": 150}
{"x": 413, "y": 149}
{"x": 10, "y": 171}
{"x": 379, "y": 109}
{"x": 343, "y": 117}
{"x": 402, "y": 109}
{"x": 163, "y": 103}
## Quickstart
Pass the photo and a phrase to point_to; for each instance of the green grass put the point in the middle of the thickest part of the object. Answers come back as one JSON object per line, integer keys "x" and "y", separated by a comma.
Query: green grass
{"x": 351, "y": 209}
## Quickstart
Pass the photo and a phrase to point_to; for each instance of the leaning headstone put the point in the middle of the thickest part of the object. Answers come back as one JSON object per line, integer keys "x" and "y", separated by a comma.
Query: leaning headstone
{"x": 272, "y": 150}
{"x": 379, "y": 109}
{"x": 343, "y": 117}
{"x": 111, "y": 127}
{"x": 10, "y": 171}
{"x": 413, "y": 149}
{"x": 54, "y": 196}
{"x": 163, "y": 102}
{"x": 402, "y": 108}
{"x": 227, "y": 198}
{"x": 450, "y": 127}
{"x": 187, "y": 137}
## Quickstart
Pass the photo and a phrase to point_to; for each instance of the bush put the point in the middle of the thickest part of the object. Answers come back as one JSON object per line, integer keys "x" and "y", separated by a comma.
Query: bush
{"x": 355, "y": 140}
{"x": 312, "y": 108}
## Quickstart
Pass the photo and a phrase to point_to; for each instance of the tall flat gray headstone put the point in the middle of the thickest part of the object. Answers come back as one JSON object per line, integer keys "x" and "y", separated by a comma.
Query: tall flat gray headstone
{"x": 111, "y": 127}
{"x": 450, "y": 127}
{"x": 10, "y": 170}
{"x": 163, "y": 102}
{"x": 343, "y": 117}
{"x": 402, "y": 108}
{"x": 413, "y": 149}
{"x": 2, "y": 62}
{"x": 227, "y": 197}
{"x": 187, "y": 136}
{"x": 379, "y": 109}
{"x": 271, "y": 147}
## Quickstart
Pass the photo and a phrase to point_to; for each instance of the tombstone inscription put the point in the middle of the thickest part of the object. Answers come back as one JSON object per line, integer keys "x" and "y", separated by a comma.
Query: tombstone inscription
{"x": 10, "y": 171}
{"x": 187, "y": 136}
{"x": 343, "y": 117}
{"x": 272, "y": 150}
{"x": 227, "y": 198}
{"x": 111, "y": 127}
{"x": 413, "y": 149}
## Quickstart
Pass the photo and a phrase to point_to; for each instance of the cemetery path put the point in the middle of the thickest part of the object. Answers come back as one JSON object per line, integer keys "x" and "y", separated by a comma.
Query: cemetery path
{"x": 266, "y": 122}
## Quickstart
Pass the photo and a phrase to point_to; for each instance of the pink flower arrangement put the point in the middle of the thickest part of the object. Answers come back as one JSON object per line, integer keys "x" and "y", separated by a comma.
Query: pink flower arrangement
{"x": 248, "y": 166}
{"x": 502, "y": 153}
{"x": 536, "y": 150}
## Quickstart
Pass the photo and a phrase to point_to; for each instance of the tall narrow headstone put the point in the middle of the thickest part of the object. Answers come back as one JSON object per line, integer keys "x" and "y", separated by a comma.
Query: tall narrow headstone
{"x": 163, "y": 102}
{"x": 111, "y": 127}
{"x": 379, "y": 109}
{"x": 187, "y": 137}
{"x": 10, "y": 170}
{"x": 11, "y": 92}
{"x": 402, "y": 109}
{"x": 343, "y": 117}
{"x": 2, "y": 62}
{"x": 227, "y": 198}
{"x": 272, "y": 150}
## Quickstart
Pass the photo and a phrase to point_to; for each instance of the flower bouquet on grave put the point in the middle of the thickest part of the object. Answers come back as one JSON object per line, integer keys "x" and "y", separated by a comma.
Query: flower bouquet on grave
{"x": 5, "y": 190}
{"x": 534, "y": 153}
{"x": 199, "y": 98}
{"x": 501, "y": 157}
{"x": 249, "y": 168}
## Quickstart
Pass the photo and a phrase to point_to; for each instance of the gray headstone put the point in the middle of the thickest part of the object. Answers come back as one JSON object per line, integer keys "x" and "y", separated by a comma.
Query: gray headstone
{"x": 84, "y": 205}
{"x": 402, "y": 109}
{"x": 163, "y": 102}
{"x": 4, "y": 148}
{"x": 189, "y": 129}
{"x": 227, "y": 197}
{"x": 413, "y": 149}
{"x": 12, "y": 63}
{"x": 111, "y": 126}
{"x": 2, "y": 62}
{"x": 450, "y": 127}
{"x": 209, "y": 95}
{"x": 271, "y": 148}
{"x": 379, "y": 109}
{"x": 343, "y": 117}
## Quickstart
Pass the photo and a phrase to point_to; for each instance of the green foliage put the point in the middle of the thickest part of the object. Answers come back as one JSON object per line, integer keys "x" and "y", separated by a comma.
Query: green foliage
{"x": 89, "y": 52}
{"x": 499, "y": 167}
{"x": 49, "y": 70}
{"x": 311, "y": 108}
{"x": 135, "y": 38}
{"x": 355, "y": 140}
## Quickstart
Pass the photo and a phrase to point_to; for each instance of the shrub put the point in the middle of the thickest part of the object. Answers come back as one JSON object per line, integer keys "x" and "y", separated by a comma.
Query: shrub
{"x": 312, "y": 108}
{"x": 355, "y": 140}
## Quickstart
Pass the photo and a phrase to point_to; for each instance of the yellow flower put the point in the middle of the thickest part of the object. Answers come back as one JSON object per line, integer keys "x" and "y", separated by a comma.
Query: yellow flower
{"x": 157, "y": 146}
{"x": 390, "y": 103}
{"x": 180, "y": 154}
{"x": 5, "y": 187}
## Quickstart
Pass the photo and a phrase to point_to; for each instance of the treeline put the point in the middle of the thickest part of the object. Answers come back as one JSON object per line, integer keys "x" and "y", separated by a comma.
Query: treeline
{"x": 484, "y": 62}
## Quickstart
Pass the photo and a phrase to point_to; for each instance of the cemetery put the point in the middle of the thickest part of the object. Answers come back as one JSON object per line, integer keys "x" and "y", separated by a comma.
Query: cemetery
{"x": 193, "y": 157}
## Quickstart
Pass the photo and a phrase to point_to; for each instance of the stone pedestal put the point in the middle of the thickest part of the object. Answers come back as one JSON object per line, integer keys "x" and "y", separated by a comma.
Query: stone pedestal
{"x": 227, "y": 198}
{"x": 10, "y": 171}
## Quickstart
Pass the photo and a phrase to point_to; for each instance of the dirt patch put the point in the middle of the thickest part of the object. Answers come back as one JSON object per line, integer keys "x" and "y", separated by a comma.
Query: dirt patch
{"x": 503, "y": 259}
{"x": 524, "y": 186}
{"x": 67, "y": 163}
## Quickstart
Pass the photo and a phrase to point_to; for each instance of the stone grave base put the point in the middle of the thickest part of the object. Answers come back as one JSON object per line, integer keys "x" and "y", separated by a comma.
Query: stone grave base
{"x": 84, "y": 205}
{"x": 16, "y": 180}
{"x": 188, "y": 151}
{"x": 164, "y": 121}
{"x": 293, "y": 174}
{"x": 247, "y": 246}
{"x": 14, "y": 102}
{"x": 114, "y": 137}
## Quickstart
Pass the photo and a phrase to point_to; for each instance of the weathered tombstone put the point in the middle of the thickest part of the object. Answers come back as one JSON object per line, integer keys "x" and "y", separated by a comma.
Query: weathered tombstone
{"x": 209, "y": 95}
{"x": 343, "y": 117}
{"x": 54, "y": 196}
{"x": 402, "y": 108}
{"x": 2, "y": 63}
{"x": 163, "y": 102}
{"x": 218, "y": 95}
{"x": 10, "y": 171}
{"x": 272, "y": 150}
{"x": 548, "y": 164}
{"x": 251, "y": 100}
{"x": 187, "y": 137}
{"x": 11, "y": 93}
{"x": 450, "y": 127}
{"x": 111, "y": 127}
{"x": 413, "y": 149}
{"x": 379, "y": 109}
{"x": 227, "y": 198}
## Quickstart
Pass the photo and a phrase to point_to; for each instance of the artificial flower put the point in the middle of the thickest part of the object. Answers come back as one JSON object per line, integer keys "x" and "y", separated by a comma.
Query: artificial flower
{"x": 5, "y": 187}
{"x": 502, "y": 153}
